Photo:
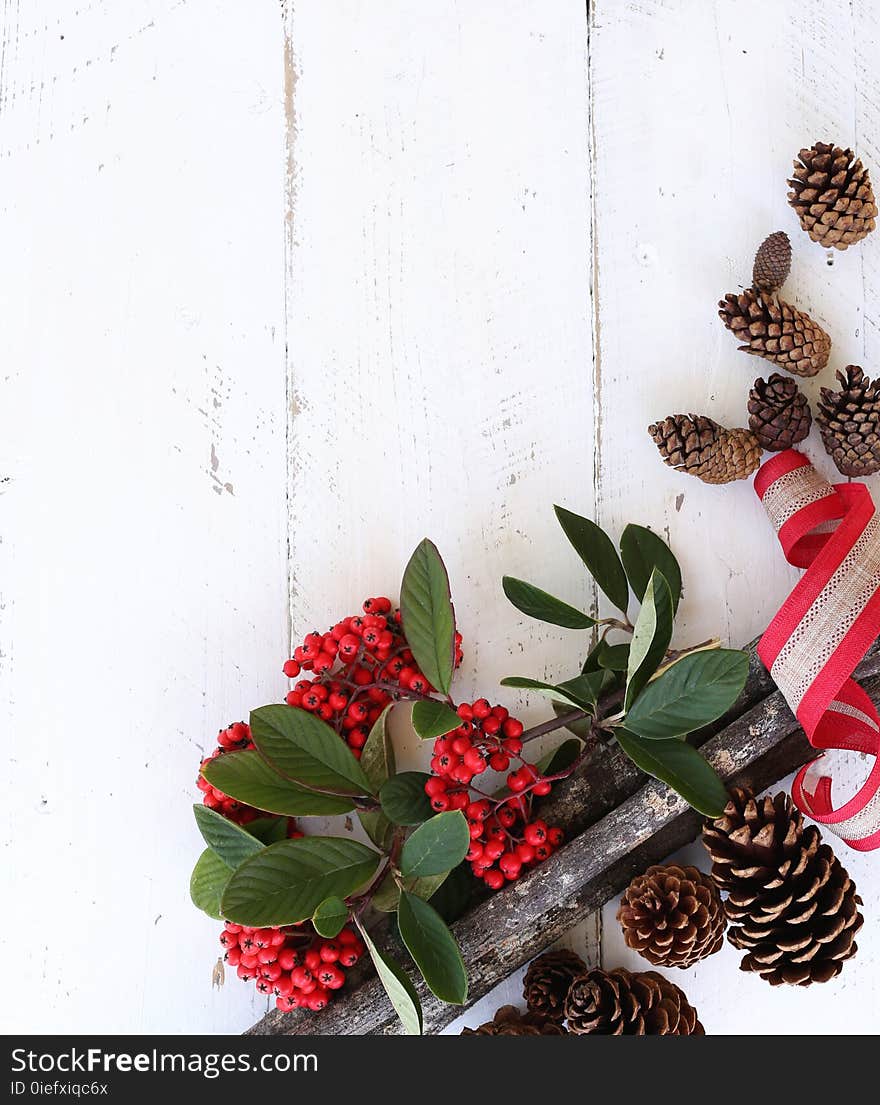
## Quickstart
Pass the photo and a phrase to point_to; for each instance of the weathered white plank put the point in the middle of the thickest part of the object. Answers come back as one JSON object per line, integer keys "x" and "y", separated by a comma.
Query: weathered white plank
{"x": 142, "y": 431}
{"x": 439, "y": 312}
{"x": 698, "y": 109}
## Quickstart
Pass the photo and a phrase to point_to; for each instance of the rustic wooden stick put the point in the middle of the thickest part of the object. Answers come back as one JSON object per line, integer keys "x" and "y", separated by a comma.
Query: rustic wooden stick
{"x": 622, "y": 823}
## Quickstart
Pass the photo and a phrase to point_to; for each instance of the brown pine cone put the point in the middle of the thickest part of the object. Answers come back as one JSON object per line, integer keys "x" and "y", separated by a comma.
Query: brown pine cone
{"x": 779, "y": 414}
{"x": 832, "y": 195}
{"x": 772, "y": 263}
{"x": 508, "y": 1021}
{"x": 849, "y": 421}
{"x": 618, "y": 1003}
{"x": 776, "y": 331}
{"x": 672, "y": 916}
{"x": 791, "y": 905}
{"x": 699, "y": 446}
{"x": 547, "y": 980}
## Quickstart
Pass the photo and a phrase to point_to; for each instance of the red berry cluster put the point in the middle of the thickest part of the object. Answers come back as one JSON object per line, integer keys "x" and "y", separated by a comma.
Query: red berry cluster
{"x": 505, "y": 838}
{"x": 360, "y": 665}
{"x": 233, "y": 739}
{"x": 298, "y": 967}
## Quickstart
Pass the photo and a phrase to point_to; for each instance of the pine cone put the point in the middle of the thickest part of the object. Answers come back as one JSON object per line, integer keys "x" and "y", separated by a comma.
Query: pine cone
{"x": 772, "y": 263}
{"x": 779, "y": 414}
{"x": 848, "y": 421}
{"x": 791, "y": 904}
{"x": 672, "y": 916}
{"x": 618, "y": 1003}
{"x": 698, "y": 445}
{"x": 547, "y": 980}
{"x": 776, "y": 330}
{"x": 508, "y": 1021}
{"x": 832, "y": 195}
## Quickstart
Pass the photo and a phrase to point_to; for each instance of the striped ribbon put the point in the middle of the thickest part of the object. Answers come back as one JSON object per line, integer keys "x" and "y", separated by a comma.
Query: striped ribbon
{"x": 824, "y": 628}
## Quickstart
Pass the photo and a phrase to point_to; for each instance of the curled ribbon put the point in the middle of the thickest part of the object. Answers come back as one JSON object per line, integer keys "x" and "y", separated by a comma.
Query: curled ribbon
{"x": 824, "y": 628}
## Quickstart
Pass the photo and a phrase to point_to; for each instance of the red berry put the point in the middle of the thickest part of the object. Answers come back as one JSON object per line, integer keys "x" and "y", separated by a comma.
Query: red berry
{"x": 494, "y": 879}
{"x": 535, "y": 833}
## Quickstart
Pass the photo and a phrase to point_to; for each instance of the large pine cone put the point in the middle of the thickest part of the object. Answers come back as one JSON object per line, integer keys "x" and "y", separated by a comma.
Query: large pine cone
{"x": 672, "y": 916}
{"x": 618, "y": 1003}
{"x": 776, "y": 331}
{"x": 791, "y": 905}
{"x": 508, "y": 1021}
{"x": 547, "y": 980}
{"x": 848, "y": 421}
{"x": 772, "y": 263}
{"x": 779, "y": 414}
{"x": 699, "y": 446}
{"x": 832, "y": 195}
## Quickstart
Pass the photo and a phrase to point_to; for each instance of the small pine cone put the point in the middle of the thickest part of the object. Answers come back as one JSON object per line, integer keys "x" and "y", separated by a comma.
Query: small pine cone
{"x": 791, "y": 905}
{"x": 776, "y": 331}
{"x": 779, "y": 414}
{"x": 699, "y": 446}
{"x": 618, "y": 1003}
{"x": 832, "y": 195}
{"x": 547, "y": 980}
{"x": 672, "y": 916}
{"x": 772, "y": 263}
{"x": 849, "y": 421}
{"x": 508, "y": 1021}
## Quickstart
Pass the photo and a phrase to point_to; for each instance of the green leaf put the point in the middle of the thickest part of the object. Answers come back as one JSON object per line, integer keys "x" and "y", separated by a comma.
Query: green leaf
{"x": 432, "y": 718}
{"x": 453, "y": 896}
{"x": 539, "y": 604}
{"x": 398, "y": 986}
{"x": 643, "y": 551}
{"x": 433, "y": 948}
{"x": 247, "y": 777}
{"x": 330, "y": 917}
{"x": 232, "y": 844}
{"x": 549, "y": 690}
{"x": 404, "y": 800}
{"x": 268, "y": 829}
{"x": 285, "y": 883}
{"x": 595, "y": 548}
{"x": 651, "y": 637}
{"x": 377, "y": 827}
{"x": 377, "y": 755}
{"x": 561, "y": 757}
{"x": 696, "y": 690}
{"x": 584, "y": 690}
{"x": 387, "y": 895}
{"x": 207, "y": 883}
{"x": 680, "y": 766}
{"x": 304, "y": 748}
{"x": 436, "y": 846}
{"x": 614, "y": 657}
{"x": 427, "y": 614}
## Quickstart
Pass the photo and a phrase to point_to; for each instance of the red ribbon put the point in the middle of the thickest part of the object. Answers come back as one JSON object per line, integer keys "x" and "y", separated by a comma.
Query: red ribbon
{"x": 824, "y": 628}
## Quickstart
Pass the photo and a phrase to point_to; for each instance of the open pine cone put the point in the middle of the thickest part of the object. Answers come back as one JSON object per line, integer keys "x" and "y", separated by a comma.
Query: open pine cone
{"x": 779, "y": 414}
{"x": 618, "y": 1003}
{"x": 832, "y": 195}
{"x": 508, "y": 1021}
{"x": 672, "y": 916}
{"x": 699, "y": 446}
{"x": 849, "y": 421}
{"x": 791, "y": 905}
{"x": 776, "y": 331}
{"x": 545, "y": 986}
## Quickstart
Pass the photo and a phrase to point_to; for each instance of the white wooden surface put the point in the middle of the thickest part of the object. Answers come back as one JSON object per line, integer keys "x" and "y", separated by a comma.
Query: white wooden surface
{"x": 490, "y": 237}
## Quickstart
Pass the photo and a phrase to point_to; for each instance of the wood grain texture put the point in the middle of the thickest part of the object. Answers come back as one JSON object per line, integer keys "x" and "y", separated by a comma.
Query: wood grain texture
{"x": 697, "y": 111}
{"x": 439, "y": 315}
{"x": 142, "y": 530}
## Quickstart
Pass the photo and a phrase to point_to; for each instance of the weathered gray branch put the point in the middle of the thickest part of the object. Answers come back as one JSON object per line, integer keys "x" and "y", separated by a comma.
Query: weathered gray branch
{"x": 618, "y": 822}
